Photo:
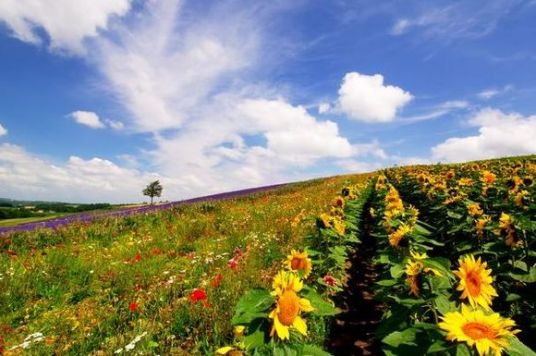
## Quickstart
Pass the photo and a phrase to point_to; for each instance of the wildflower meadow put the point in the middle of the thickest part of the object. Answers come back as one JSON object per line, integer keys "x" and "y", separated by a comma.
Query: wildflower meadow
{"x": 415, "y": 260}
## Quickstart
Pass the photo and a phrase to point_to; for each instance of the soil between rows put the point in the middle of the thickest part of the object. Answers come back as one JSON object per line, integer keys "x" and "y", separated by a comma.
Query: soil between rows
{"x": 353, "y": 331}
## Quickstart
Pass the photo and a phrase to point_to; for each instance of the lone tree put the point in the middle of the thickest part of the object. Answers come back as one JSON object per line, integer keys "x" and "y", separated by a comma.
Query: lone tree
{"x": 153, "y": 189}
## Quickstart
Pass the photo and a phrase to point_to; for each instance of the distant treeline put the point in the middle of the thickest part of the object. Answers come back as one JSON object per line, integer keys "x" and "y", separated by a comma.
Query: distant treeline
{"x": 10, "y": 211}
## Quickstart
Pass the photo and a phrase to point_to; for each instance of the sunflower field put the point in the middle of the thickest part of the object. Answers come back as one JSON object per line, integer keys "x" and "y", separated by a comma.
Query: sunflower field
{"x": 415, "y": 260}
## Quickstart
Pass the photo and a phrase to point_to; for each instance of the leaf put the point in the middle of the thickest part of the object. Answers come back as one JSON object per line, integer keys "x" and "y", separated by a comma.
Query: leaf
{"x": 454, "y": 215}
{"x": 440, "y": 264}
{"x": 437, "y": 346}
{"x": 387, "y": 282}
{"x": 252, "y": 305}
{"x": 444, "y": 305}
{"x": 401, "y": 337}
{"x": 527, "y": 277}
{"x": 517, "y": 348}
{"x": 322, "y": 307}
{"x": 463, "y": 350}
{"x": 396, "y": 271}
{"x": 283, "y": 350}
{"x": 256, "y": 335}
{"x": 512, "y": 297}
{"x": 312, "y": 350}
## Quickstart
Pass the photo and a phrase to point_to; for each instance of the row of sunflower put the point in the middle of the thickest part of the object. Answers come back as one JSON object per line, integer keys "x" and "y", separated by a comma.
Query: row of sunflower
{"x": 431, "y": 308}
{"x": 278, "y": 321}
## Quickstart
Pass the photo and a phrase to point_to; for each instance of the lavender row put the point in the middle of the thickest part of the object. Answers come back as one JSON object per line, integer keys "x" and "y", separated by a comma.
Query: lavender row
{"x": 89, "y": 217}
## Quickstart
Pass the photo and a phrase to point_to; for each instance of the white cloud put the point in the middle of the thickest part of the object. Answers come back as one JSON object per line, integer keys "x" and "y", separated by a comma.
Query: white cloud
{"x": 26, "y": 176}
{"x": 457, "y": 20}
{"x": 116, "y": 125}
{"x": 492, "y": 92}
{"x": 400, "y": 27}
{"x": 437, "y": 111}
{"x": 324, "y": 107}
{"x": 3, "y": 131}
{"x": 87, "y": 118}
{"x": 245, "y": 142}
{"x": 67, "y": 23}
{"x": 187, "y": 84}
{"x": 162, "y": 73}
{"x": 355, "y": 166}
{"x": 366, "y": 98}
{"x": 499, "y": 134}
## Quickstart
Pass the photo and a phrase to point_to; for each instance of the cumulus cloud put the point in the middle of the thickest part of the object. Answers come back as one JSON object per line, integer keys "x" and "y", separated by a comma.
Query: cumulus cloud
{"x": 365, "y": 98}
{"x": 87, "y": 118}
{"x": 162, "y": 73}
{"x": 499, "y": 134}
{"x": 3, "y": 131}
{"x": 67, "y": 23}
{"x": 255, "y": 141}
{"x": 324, "y": 107}
{"x": 26, "y": 176}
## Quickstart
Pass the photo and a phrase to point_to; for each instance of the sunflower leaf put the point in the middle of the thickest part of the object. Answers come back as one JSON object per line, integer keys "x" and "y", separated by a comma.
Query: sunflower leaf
{"x": 321, "y": 306}
{"x": 517, "y": 348}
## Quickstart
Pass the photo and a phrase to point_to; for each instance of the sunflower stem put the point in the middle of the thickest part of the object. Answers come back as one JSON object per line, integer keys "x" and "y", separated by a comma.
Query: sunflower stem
{"x": 432, "y": 303}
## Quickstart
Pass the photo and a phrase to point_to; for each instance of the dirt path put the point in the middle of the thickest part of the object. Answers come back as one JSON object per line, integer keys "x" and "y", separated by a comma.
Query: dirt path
{"x": 353, "y": 329}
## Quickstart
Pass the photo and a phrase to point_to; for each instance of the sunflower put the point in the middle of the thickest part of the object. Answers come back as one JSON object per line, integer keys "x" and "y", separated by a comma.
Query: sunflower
{"x": 488, "y": 332}
{"x": 393, "y": 201}
{"x": 474, "y": 209}
{"x": 289, "y": 305}
{"x": 480, "y": 224}
{"x": 413, "y": 271}
{"x": 339, "y": 226}
{"x": 395, "y": 237}
{"x": 286, "y": 280}
{"x": 299, "y": 262}
{"x": 475, "y": 282}
{"x": 464, "y": 182}
{"x": 520, "y": 198}
{"x": 487, "y": 177}
{"x": 418, "y": 256}
{"x": 339, "y": 202}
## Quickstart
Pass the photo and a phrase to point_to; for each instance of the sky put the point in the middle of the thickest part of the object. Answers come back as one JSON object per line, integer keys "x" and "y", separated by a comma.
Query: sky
{"x": 100, "y": 97}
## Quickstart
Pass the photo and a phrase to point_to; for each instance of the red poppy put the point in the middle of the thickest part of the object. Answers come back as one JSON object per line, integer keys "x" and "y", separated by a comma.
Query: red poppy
{"x": 330, "y": 280}
{"x": 137, "y": 258}
{"x": 133, "y": 307}
{"x": 197, "y": 295}
{"x": 233, "y": 263}
{"x": 217, "y": 280}
{"x": 238, "y": 252}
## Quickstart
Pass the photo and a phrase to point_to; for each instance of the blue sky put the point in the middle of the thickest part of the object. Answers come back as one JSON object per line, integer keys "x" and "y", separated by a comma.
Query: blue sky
{"x": 97, "y": 98}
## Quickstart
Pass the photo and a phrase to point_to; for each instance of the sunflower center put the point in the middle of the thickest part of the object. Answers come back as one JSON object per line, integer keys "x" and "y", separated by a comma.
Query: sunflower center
{"x": 298, "y": 263}
{"x": 477, "y": 331}
{"x": 289, "y": 307}
{"x": 473, "y": 283}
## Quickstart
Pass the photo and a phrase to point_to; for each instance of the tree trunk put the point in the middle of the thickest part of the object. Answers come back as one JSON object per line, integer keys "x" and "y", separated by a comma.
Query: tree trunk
{"x": 151, "y": 200}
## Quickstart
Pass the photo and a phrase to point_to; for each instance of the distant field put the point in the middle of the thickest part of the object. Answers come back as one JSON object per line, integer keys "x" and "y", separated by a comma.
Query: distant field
{"x": 14, "y": 222}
